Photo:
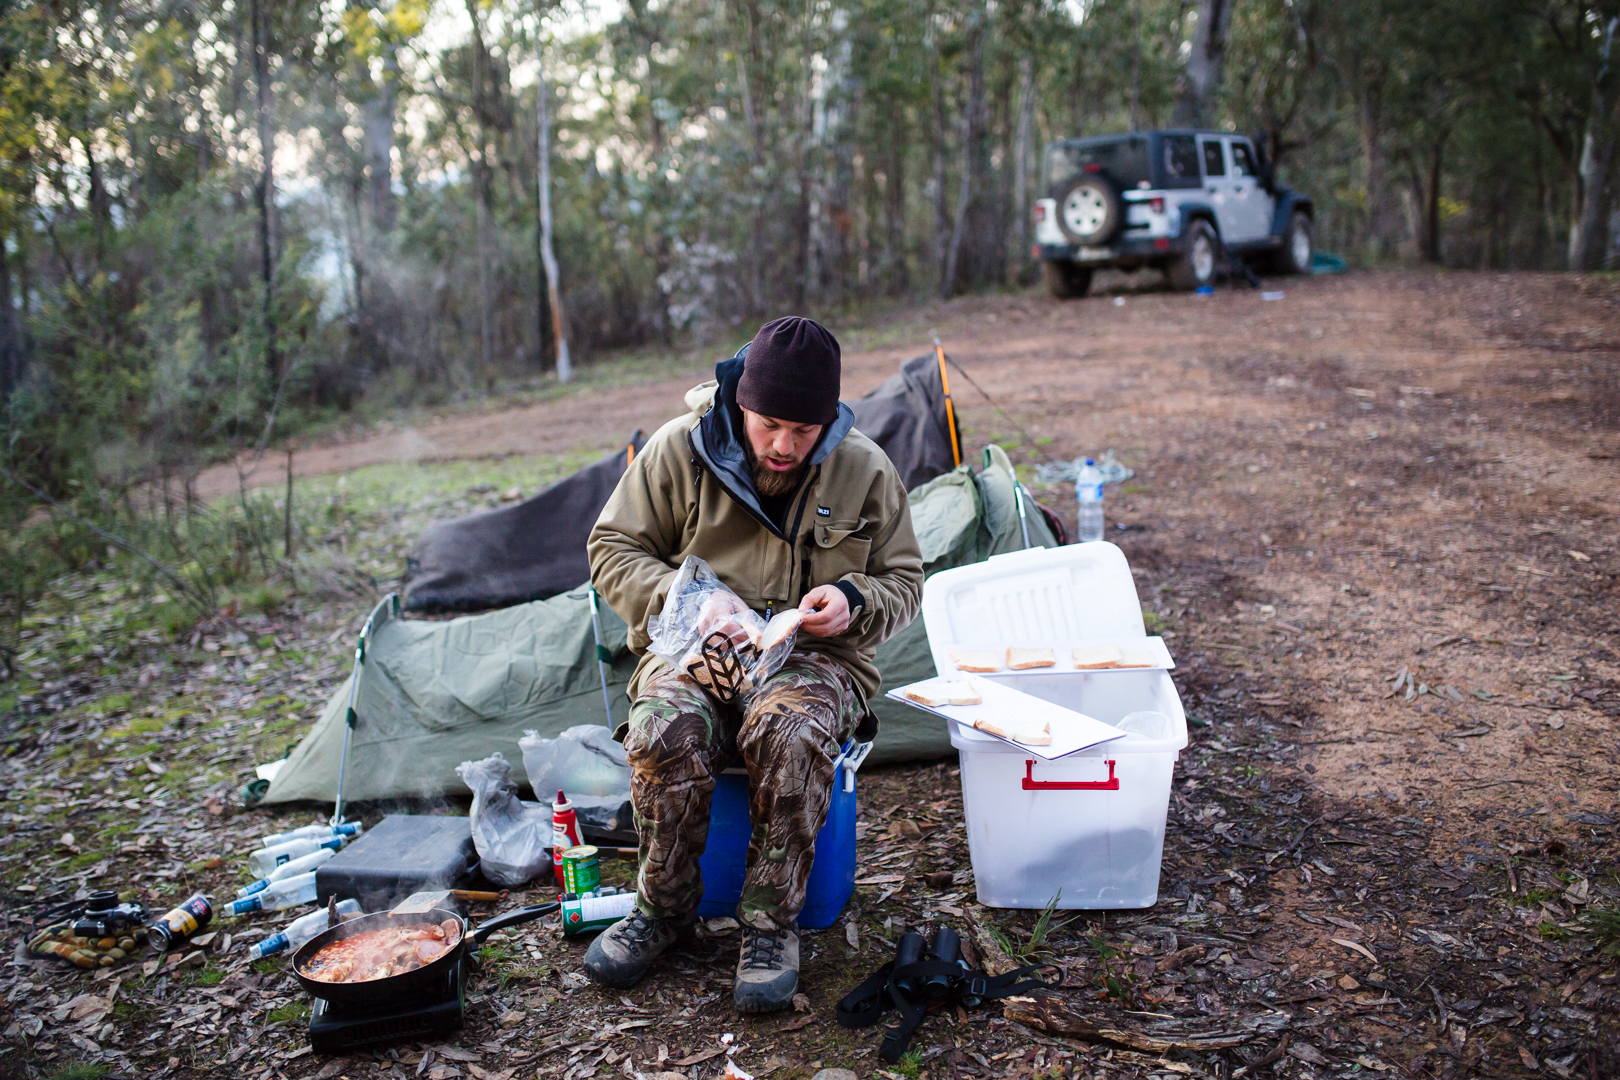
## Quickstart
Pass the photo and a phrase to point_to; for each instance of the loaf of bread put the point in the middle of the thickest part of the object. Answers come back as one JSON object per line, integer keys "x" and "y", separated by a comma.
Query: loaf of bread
{"x": 975, "y": 660}
{"x": 1137, "y": 658}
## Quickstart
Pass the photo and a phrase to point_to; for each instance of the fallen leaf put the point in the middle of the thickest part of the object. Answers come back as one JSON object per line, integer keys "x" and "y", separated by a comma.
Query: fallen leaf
{"x": 852, "y": 934}
{"x": 1357, "y": 946}
{"x": 797, "y": 1023}
{"x": 699, "y": 1057}
{"x": 880, "y": 879}
{"x": 156, "y": 768}
{"x": 1304, "y": 1051}
{"x": 1529, "y": 1059}
{"x": 456, "y": 1053}
{"x": 1348, "y": 982}
{"x": 1579, "y": 556}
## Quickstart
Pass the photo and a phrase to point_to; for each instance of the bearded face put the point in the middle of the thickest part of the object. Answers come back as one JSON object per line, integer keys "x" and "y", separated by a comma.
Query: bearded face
{"x": 772, "y": 483}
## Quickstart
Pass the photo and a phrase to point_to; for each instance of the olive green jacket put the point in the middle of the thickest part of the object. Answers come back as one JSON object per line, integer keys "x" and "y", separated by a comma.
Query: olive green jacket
{"x": 688, "y": 493}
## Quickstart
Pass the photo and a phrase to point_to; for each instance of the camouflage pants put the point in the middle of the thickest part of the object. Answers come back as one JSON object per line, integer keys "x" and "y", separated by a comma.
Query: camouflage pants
{"x": 788, "y": 737}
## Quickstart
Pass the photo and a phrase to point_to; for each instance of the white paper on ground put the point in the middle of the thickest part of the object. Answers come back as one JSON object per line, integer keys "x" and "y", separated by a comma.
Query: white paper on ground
{"x": 1071, "y": 731}
{"x": 1062, "y": 653}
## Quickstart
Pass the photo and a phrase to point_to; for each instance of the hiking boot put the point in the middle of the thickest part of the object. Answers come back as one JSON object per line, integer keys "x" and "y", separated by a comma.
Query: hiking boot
{"x": 622, "y": 953}
{"x": 767, "y": 971}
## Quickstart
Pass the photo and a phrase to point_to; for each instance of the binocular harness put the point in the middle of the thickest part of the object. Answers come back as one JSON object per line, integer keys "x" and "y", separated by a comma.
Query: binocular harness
{"x": 911, "y": 983}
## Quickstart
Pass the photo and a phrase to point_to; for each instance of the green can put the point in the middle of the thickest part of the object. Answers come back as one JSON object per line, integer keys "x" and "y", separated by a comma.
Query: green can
{"x": 581, "y": 873}
{"x": 590, "y": 913}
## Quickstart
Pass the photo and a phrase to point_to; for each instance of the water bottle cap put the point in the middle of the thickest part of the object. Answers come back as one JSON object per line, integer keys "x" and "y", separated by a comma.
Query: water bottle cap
{"x": 1089, "y": 461}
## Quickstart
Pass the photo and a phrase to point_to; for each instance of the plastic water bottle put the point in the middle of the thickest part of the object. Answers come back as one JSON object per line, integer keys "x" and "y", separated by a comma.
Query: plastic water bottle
{"x": 286, "y": 870}
{"x": 1088, "y": 489}
{"x": 299, "y": 931}
{"x": 286, "y": 893}
{"x": 265, "y": 860}
{"x": 350, "y": 829}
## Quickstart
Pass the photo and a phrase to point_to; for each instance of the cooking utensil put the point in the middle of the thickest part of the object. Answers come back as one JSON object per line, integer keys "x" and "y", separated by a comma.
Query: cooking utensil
{"x": 421, "y": 979}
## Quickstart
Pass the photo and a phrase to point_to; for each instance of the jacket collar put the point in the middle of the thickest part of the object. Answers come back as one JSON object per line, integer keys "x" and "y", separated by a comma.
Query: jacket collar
{"x": 718, "y": 438}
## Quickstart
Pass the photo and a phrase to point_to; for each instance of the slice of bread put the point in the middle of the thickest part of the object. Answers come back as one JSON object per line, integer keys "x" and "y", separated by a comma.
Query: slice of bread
{"x": 947, "y": 693}
{"x": 1019, "y": 659}
{"x": 782, "y": 627}
{"x": 975, "y": 660}
{"x": 1137, "y": 658}
{"x": 1023, "y": 731}
{"x": 1097, "y": 656}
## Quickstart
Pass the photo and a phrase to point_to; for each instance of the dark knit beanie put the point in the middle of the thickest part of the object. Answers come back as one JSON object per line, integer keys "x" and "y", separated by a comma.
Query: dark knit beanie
{"x": 792, "y": 372}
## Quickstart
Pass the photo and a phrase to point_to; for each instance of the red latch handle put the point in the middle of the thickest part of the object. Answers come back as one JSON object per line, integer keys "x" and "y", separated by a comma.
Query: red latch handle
{"x": 1032, "y": 784}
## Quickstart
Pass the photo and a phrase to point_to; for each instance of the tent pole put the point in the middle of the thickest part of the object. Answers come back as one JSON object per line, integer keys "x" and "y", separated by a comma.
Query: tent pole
{"x": 1023, "y": 514}
{"x": 352, "y": 717}
{"x": 601, "y": 654}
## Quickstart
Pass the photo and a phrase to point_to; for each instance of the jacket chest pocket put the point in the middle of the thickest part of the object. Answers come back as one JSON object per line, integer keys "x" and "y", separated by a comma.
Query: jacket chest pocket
{"x": 838, "y": 550}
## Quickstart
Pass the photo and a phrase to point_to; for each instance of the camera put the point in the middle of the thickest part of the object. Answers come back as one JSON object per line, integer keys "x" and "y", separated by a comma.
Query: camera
{"x": 104, "y": 916}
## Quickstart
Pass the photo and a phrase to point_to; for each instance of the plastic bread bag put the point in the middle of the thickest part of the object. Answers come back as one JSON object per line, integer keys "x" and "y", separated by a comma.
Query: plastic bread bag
{"x": 708, "y": 633}
{"x": 512, "y": 836}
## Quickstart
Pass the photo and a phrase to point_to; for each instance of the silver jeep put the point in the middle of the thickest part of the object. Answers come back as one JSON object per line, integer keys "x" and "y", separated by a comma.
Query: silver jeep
{"x": 1170, "y": 200}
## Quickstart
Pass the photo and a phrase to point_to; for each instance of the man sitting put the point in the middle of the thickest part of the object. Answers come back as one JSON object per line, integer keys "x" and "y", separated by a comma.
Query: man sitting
{"x": 766, "y": 480}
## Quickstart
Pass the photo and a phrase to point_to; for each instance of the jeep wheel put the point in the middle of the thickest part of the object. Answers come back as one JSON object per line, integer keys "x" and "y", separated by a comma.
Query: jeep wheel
{"x": 1089, "y": 210}
{"x": 1195, "y": 266}
{"x": 1066, "y": 279}
{"x": 1297, "y": 249}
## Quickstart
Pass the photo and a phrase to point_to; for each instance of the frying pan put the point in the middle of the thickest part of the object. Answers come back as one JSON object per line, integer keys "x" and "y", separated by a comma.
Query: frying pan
{"x": 424, "y": 978}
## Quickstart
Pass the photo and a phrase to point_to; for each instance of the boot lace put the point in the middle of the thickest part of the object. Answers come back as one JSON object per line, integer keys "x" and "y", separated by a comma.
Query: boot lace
{"x": 637, "y": 931}
{"x": 763, "y": 949}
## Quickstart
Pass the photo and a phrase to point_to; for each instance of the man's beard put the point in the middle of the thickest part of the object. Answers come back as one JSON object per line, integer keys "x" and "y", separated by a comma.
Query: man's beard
{"x": 773, "y": 484}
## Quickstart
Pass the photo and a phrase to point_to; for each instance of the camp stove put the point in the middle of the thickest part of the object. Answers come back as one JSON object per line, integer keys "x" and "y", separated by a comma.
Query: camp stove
{"x": 340, "y": 1029}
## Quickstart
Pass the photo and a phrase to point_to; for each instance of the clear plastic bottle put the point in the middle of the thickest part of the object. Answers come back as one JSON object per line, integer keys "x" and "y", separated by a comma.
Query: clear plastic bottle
{"x": 286, "y": 893}
{"x": 299, "y": 931}
{"x": 266, "y": 859}
{"x": 1088, "y": 490}
{"x": 301, "y": 865}
{"x": 350, "y": 829}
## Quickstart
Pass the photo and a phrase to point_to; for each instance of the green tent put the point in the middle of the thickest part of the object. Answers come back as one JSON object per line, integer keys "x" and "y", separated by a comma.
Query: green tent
{"x": 435, "y": 694}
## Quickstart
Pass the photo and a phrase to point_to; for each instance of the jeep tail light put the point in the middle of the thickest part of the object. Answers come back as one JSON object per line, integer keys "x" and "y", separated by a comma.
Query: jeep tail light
{"x": 1040, "y": 213}
{"x": 1161, "y": 243}
{"x": 1157, "y": 205}
{"x": 1093, "y": 167}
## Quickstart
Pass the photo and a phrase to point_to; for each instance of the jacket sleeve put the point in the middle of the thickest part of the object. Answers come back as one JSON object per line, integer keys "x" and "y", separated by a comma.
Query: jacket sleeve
{"x": 639, "y": 531}
{"x": 892, "y": 583}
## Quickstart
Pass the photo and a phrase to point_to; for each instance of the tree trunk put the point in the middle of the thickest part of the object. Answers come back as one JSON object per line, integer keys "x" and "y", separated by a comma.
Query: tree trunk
{"x": 266, "y": 192}
{"x": 1376, "y": 226}
{"x": 10, "y": 346}
{"x": 833, "y": 129}
{"x": 897, "y": 275}
{"x": 481, "y": 182}
{"x": 975, "y": 155}
{"x": 1201, "y": 77}
{"x": 1597, "y": 152}
{"x": 1431, "y": 202}
{"x": 942, "y": 216}
{"x": 1021, "y": 155}
{"x": 548, "y": 257}
{"x": 379, "y": 144}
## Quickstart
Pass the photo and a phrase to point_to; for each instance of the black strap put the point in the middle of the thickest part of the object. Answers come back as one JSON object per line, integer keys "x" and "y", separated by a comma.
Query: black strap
{"x": 869, "y": 1002}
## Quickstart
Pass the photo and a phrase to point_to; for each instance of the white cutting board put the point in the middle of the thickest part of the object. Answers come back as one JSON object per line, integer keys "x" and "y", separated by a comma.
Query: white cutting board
{"x": 1071, "y": 731}
{"x": 1062, "y": 653}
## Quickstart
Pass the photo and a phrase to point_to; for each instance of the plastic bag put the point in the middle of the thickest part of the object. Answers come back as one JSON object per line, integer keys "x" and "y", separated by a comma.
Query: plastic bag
{"x": 513, "y": 837}
{"x": 705, "y": 631}
{"x": 585, "y": 762}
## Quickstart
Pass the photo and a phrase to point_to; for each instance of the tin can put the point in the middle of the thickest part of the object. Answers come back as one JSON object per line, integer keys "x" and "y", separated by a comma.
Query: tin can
{"x": 591, "y": 913}
{"x": 581, "y": 872}
{"x": 180, "y": 923}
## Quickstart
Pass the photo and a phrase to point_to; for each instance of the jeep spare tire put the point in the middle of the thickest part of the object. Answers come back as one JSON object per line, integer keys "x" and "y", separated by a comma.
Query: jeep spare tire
{"x": 1089, "y": 210}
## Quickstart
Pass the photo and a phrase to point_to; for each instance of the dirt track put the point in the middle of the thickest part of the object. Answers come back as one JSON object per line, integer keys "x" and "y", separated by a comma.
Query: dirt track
{"x": 1399, "y": 465}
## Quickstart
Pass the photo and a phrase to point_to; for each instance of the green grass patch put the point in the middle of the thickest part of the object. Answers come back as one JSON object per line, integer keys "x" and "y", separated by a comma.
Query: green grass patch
{"x": 267, "y": 967}
{"x": 210, "y": 977}
{"x": 1153, "y": 621}
{"x": 1552, "y": 931}
{"x": 81, "y": 1070}
{"x": 1604, "y": 924}
{"x": 294, "y": 1010}
{"x": 909, "y": 1065}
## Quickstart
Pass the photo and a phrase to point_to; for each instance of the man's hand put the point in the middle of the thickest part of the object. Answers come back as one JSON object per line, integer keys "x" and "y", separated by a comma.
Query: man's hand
{"x": 827, "y": 611}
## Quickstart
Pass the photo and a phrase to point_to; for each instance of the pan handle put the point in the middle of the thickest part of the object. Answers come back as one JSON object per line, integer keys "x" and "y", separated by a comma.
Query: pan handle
{"x": 512, "y": 918}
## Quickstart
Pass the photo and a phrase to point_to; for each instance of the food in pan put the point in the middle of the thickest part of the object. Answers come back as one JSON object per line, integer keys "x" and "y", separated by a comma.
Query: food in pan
{"x": 975, "y": 660}
{"x": 377, "y": 954}
{"x": 1098, "y": 656}
{"x": 1030, "y": 733}
{"x": 950, "y": 693}
{"x": 1019, "y": 659}
{"x": 1137, "y": 658}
